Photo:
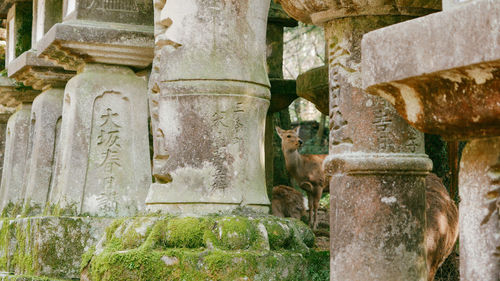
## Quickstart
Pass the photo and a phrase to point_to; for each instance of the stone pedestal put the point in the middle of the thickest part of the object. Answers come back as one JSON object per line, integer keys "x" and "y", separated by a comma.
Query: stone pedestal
{"x": 208, "y": 107}
{"x": 479, "y": 236}
{"x": 377, "y": 162}
{"x": 45, "y": 129}
{"x": 450, "y": 88}
{"x": 104, "y": 158}
{"x": 16, "y": 144}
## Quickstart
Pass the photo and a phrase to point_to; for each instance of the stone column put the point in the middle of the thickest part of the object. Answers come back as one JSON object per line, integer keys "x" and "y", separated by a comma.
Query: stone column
{"x": 16, "y": 144}
{"x": 43, "y": 148}
{"x": 377, "y": 162}
{"x": 104, "y": 166}
{"x": 208, "y": 106}
{"x": 450, "y": 88}
{"x": 479, "y": 237}
{"x": 378, "y": 166}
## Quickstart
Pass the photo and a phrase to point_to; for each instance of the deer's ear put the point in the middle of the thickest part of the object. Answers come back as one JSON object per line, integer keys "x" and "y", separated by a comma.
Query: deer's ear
{"x": 297, "y": 130}
{"x": 278, "y": 130}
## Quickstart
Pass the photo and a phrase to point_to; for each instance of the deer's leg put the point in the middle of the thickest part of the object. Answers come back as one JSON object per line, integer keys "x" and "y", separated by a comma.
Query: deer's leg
{"x": 310, "y": 200}
{"x": 317, "y": 197}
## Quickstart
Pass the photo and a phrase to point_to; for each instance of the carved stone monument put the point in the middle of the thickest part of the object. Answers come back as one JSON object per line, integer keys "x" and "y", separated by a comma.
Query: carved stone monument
{"x": 451, "y": 88}
{"x": 103, "y": 168}
{"x": 208, "y": 106}
{"x": 377, "y": 162}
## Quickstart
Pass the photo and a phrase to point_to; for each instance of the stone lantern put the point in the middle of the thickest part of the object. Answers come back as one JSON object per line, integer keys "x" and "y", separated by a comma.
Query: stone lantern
{"x": 210, "y": 95}
{"x": 451, "y": 87}
{"x": 376, "y": 161}
{"x": 104, "y": 159}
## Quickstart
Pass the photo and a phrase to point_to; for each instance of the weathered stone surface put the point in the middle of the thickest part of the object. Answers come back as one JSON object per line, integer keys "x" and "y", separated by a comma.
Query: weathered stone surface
{"x": 450, "y": 4}
{"x": 322, "y": 11}
{"x": 105, "y": 165}
{"x": 48, "y": 246}
{"x": 313, "y": 86}
{"x": 214, "y": 248}
{"x": 43, "y": 148}
{"x": 479, "y": 236}
{"x": 137, "y": 12}
{"x": 72, "y": 44}
{"x": 449, "y": 87}
{"x": 38, "y": 73}
{"x": 208, "y": 105}
{"x": 14, "y": 165}
{"x": 46, "y": 13}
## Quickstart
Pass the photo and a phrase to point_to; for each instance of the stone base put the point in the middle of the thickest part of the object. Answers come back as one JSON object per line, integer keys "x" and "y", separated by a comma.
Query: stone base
{"x": 206, "y": 248}
{"x": 46, "y": 246}
{"x": 8, "y": 277}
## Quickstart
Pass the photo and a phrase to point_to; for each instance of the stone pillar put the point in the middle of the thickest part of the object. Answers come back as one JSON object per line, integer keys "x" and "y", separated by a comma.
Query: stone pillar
{"x": 479, "y": 237}
{"x": 377, "y": 162}
{"x": 208, "y": 106}
{"x": 378, "y": 166}
{"x": 43, "y": 148}
{"x": 104, "y": 166}
{"x": 104, "y": 143}
{"x": 16, "y": 143}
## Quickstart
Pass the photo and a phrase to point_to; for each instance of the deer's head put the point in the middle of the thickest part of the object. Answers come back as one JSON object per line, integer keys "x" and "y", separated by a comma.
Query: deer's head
{"x": 290, "y": 139}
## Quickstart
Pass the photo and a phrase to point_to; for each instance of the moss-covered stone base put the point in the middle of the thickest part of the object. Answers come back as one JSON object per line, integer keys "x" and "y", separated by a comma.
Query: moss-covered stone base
{"x": 7, "y": 277}
{"x": 47, "y": 246}
{"x": 206, "y": 248}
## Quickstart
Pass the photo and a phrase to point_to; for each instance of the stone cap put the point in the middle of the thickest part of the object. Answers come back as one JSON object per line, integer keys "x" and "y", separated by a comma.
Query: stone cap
{"x": 72, "y": 44}
{"x": 449, "y": 86}
{"x": 320, "y": 11}
{"x": 278, "y": 16}
{"x": 12, "y": 94}
{"x": 38, "y": 73}
{"x": 312, "y": 85}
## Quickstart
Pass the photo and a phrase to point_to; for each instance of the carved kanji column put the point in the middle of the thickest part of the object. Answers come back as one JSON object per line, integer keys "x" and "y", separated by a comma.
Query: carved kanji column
{"x": 376, "y": 161}
{"x": 451, "y": 88}
{"x": 208, "y": 105}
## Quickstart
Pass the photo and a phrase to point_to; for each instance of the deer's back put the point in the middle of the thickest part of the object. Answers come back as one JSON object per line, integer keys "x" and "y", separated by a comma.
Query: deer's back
{"x": 287, "y": 202}
{"x": 442, "y": 223}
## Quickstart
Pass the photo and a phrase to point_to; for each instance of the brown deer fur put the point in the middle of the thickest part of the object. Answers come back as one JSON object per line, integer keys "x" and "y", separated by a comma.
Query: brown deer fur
{"x": 287, "y": 202}
{"x": 442, "y": 224}
{"x": 305, "y": 169}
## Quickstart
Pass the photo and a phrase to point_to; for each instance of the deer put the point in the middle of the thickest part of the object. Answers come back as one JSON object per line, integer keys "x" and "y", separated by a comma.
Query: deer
{"x": 442, "y": 224}
{"x": 305, "y": 169}
{"x": 287, "y": 202}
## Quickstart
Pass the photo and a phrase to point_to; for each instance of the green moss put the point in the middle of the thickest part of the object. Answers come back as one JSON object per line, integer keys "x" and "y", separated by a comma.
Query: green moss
{"x": 278, "y": 233}
{"x": 186, "y": 232}
{"x": 233, "y": 233}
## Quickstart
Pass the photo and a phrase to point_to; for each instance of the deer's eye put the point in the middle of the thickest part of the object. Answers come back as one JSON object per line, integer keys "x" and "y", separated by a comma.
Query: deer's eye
{"x": 288, "y": 136}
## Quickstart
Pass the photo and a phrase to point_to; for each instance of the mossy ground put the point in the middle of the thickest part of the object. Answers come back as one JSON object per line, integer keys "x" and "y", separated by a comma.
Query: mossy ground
{"x": 206, "y": 248}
